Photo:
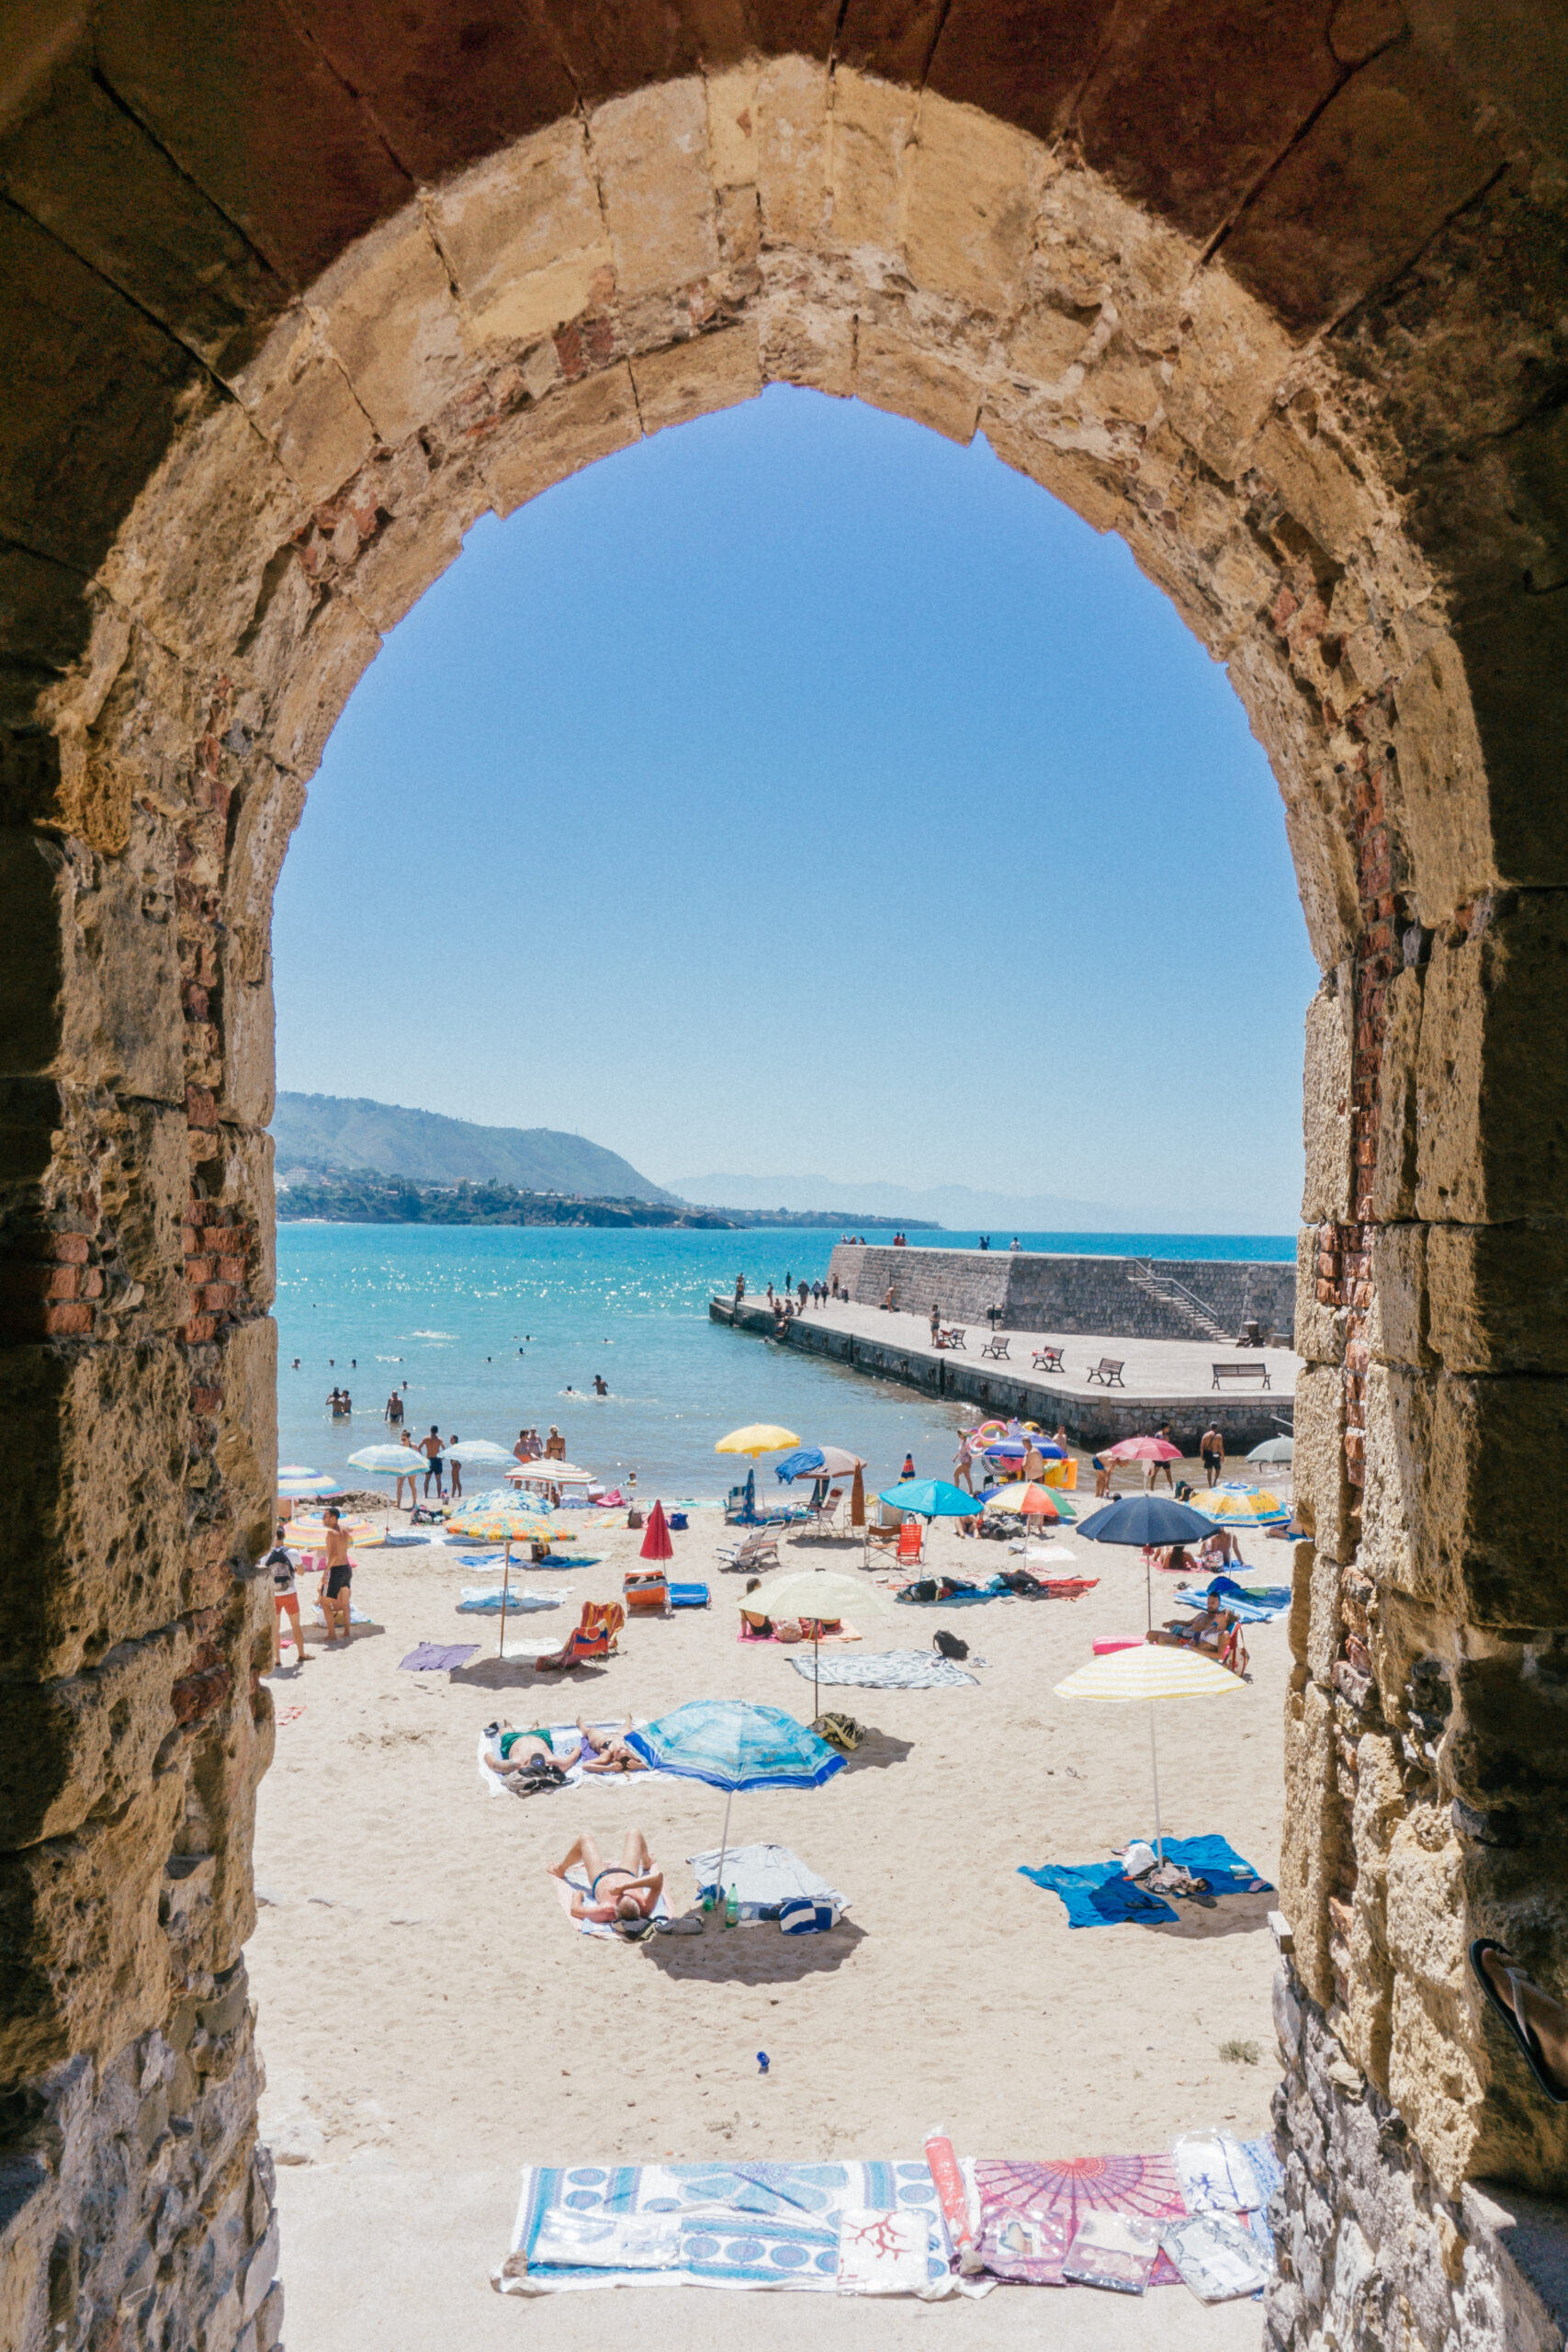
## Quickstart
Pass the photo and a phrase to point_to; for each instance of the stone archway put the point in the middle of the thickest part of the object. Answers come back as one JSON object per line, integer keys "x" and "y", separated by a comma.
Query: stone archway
{"x": 1287, "y": 325}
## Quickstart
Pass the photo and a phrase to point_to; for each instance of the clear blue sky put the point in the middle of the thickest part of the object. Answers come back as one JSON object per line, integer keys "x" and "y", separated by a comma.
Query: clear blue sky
{"x": 795, "y": 792}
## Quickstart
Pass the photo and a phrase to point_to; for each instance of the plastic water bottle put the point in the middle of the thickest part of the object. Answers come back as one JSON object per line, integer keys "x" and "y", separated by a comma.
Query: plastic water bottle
{"x": 732, "y": 1907}
{"x": 762, "y": 2061}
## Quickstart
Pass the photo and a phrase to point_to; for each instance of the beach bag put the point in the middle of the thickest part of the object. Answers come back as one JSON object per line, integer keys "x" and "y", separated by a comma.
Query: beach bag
{"x": 842, "y": 1732}
{"x": 924, "y": 1588}
{"x": 536, "y": 1780}
{"x": 804, "y": 1914}
{"x": 948, "y": 1645}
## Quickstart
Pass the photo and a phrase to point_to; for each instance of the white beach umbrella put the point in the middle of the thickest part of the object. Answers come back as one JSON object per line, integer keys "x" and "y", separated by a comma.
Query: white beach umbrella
{"x": 547, "y": 1474}
{"x": 819, "y": 1594}
{"x": 1153, "y": 1671}
{"x": 479, "y": 1453}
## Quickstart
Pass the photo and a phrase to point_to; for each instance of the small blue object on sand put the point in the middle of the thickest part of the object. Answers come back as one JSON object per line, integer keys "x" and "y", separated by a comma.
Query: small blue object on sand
{"x": 1100, "y": 1894}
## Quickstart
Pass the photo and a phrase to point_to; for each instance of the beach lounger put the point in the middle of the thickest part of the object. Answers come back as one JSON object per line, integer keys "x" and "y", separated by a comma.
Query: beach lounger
{"x": 756, "y": 1552}
{"x": 593, "y": 1638}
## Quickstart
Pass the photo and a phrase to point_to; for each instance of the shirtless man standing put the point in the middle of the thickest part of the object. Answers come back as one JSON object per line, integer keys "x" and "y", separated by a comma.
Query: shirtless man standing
{"x": 338, "y": 1580}
{"x": 1211, "y": 1447}
{"x": 616, "y": 1895}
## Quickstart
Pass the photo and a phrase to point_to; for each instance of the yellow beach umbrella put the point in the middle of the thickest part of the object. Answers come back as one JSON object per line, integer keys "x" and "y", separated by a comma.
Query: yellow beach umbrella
{"x": 1153, "y": 1671}
{"x": 757, "y": 1438}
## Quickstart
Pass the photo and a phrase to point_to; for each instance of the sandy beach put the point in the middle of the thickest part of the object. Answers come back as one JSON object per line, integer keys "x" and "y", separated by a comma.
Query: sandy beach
{"x": 431, "y": 2021}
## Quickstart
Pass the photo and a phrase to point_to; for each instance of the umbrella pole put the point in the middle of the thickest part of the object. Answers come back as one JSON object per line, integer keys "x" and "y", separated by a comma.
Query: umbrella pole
{"x": 1153, "y": 1767}
{"x": 815, "y": 1671}
{"x": 505, "y": 1588}
{"x": 724, "y": 1846}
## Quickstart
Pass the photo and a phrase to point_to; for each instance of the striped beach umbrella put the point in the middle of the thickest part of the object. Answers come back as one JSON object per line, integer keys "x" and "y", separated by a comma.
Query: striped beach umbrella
{"x": 1153, "y": 1672}
{"x": 1235, "y": 1505}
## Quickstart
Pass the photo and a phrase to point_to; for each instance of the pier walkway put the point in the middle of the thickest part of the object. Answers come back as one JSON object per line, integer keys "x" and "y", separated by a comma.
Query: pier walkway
{"x": 1165, "y": 1380}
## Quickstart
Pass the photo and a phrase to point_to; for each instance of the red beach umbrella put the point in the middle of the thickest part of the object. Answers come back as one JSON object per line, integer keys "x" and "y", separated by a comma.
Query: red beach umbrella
{"x": 656, "y": 1543}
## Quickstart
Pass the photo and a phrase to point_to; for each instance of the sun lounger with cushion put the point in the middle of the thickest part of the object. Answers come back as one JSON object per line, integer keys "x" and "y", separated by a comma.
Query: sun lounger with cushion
{"x": 756, "y": 1552}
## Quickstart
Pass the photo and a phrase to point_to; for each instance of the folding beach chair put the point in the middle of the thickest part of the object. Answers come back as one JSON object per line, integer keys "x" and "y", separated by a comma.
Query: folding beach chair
{"x": 594, "y": 1636}
{"x": 911, "y": 1544}
{"x": 646, "y": 1594}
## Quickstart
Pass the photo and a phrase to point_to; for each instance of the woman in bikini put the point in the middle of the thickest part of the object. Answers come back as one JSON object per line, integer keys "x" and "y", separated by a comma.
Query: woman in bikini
{"x": 617, "y": 1892}
{"x": 607, "y": 1751}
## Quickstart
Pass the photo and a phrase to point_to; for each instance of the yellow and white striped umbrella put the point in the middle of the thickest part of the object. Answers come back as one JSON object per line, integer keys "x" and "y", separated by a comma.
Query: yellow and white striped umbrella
{"x": 1235, "y": 1505}
{"x": 1152, "y": 1670}
{"x": 500, "y": 1525}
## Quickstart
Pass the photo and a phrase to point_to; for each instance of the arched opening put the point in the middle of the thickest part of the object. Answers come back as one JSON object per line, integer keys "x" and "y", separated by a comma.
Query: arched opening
{"x": 1377, "y": 580}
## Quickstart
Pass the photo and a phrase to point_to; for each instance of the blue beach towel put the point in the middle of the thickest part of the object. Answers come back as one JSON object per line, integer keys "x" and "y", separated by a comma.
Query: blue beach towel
{"x": 1100, "y": 1894}
{"x": 1252, "y": 1604}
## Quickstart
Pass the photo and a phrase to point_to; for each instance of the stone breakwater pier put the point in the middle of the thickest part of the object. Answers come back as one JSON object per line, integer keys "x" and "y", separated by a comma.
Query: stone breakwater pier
{"x": 1164, "y": 1378}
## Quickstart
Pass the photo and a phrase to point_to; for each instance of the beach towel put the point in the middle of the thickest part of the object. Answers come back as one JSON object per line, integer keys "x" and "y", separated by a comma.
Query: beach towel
{"x": 355, "y": 1616}
{"x": 992, "y": 1590}
{"x": 1029, "y": 2213}
{"x": 485, "y": 1601}
{"x": 565, "y": 1888}
{"x": 437, "y": 1657}
{"x": 764, "y": 1878}
{"x": 846, "y": 1632}
{"x": 1253, "y": 1604}
{"x": 757, "y": 2225}
{"x": 884, "y": 1670}
{"x": 1100, "y": 1894}
{"x": 566, "y": 1746}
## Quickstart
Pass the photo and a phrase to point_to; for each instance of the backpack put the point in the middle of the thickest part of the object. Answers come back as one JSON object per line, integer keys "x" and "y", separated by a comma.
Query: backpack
{"x": 948, "y": 1645}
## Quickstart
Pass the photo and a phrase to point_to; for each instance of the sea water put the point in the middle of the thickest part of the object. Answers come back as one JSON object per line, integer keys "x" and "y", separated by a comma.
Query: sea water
{"x": 485, "y": 1330}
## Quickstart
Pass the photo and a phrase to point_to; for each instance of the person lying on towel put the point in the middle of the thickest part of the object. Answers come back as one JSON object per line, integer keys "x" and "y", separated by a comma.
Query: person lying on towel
{"x": 521, "y": 1752}
{"x": 607, "y": 1751}
{"x": 616, "y": 1891}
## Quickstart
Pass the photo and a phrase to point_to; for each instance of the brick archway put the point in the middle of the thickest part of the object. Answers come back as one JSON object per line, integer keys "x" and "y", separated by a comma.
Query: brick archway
{"x": 294, "y": 307}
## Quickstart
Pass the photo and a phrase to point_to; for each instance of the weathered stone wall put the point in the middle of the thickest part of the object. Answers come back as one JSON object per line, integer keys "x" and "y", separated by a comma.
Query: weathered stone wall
{"x": 1041, "y": 1290}
{"x": 292, "y": 298}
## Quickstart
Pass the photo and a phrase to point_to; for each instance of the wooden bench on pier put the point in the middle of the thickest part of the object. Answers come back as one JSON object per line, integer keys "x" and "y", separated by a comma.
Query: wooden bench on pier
{"x": 998, "y": 1345}
{"x": 1047, "y": 1359}
{"x": 1241, "y": 1371}
{"x": 952, "y": 1336}
{"x": 1108, "y": 1372}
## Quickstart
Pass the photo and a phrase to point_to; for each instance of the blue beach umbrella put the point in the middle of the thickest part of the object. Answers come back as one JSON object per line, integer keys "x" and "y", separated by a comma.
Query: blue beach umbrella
{"x": 930, "y": 1498}
{"x": 732, "y": 1744}
{"x": 1147, "y": 1522}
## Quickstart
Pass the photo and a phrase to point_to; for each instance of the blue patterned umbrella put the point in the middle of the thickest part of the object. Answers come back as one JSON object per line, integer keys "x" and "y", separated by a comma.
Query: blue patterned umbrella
{"x": 732, "y": 1744}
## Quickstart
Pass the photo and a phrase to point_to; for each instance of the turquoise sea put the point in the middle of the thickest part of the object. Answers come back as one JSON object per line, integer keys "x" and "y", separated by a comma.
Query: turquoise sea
{"x": 494, "y": 1326}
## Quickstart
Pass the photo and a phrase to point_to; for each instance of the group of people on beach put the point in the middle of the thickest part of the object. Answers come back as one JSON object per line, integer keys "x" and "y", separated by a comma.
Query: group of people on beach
{"x": 337, "y": 1579}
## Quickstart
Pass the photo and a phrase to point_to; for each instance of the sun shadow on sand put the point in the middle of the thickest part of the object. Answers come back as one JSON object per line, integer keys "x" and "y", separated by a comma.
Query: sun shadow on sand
{"x": 876, "y": 1750}
{"x": 509, "y": 1673}
{"x": 751, "y": 1955}
{"x": 1237, "y": 1915}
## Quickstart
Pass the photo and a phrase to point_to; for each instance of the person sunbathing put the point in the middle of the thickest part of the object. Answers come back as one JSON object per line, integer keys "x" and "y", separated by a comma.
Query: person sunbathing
{"x": 617, "y": 1892}
{"x": 521, "y": 1751}
{"x": 1204, "y": 1631}
{"x": 605, "y": 1751}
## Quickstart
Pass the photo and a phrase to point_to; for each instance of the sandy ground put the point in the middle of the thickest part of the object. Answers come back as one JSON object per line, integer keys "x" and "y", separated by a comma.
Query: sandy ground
{"x": 431, "y": 2021}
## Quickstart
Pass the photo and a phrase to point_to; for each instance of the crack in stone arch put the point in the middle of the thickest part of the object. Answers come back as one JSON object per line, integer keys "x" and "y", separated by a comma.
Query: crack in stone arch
{"x": 643, "y": 259}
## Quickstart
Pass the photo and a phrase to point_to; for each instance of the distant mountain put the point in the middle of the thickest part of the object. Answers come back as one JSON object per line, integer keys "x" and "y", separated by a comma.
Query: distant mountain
{"x": 953, "y": 1205}
{"x": 327, "y": 1132}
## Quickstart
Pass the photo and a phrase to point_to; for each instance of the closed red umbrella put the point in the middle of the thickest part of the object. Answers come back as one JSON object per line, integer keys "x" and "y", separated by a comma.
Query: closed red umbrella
{"x": 656, "y": 1543}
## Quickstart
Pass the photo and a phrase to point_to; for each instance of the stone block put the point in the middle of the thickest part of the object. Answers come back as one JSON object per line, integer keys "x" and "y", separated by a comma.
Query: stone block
{"x": 1393, "y": 1183}
{"x": 247, "y": 1450}
{"x": 808, "y": 345}
{"x": 88, "y": 1968}
{"x": 555, "y": 437}
{"x": 1299, "y": 1624}
{"x": 525, "y": 235}
{"x": 338, "y": 648}
{"x": 650, "y": 153}
{"x": 1094, "y": 492}
{"x": 36, "y": 885}
{"x": 100, "y": 1560}
{"x": 1451, "y": 1515}
{"x": 299, "y": 399}
{"x": 269, "y": 807}
{"x": 732, "y": 126}
{"x": 1314, "y": 1835}
{"x": 1045, "y": 342}
{"x": 1504, "y": 1756}
{"x": 1226, "y": 372}
{"x": 1397, "y": 1325}
{"x": 387, "y": 310}
{"x": 1444, "y": 821}
{"x": 400, "y": 563}
{"x": 1324, "y": 1624}
{"x": 792, "y": 152}
{"x": 870, "y": 131}
{"x": 86, "y": 1745}
{"x": 1324, "y": 1496}
{"x": 143, "y": 1185}
{"x": 894, "y": 373}
{"x": 1320, "y": 486}
{"x": 1327, "y": 1191}
{"x": 973, "y": 192}
{"x": 1499, "y": 1298}
{"x": 711, "y": 371}
{"x": 1491, "y": 1107}
{"x": 190, "y": 556}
